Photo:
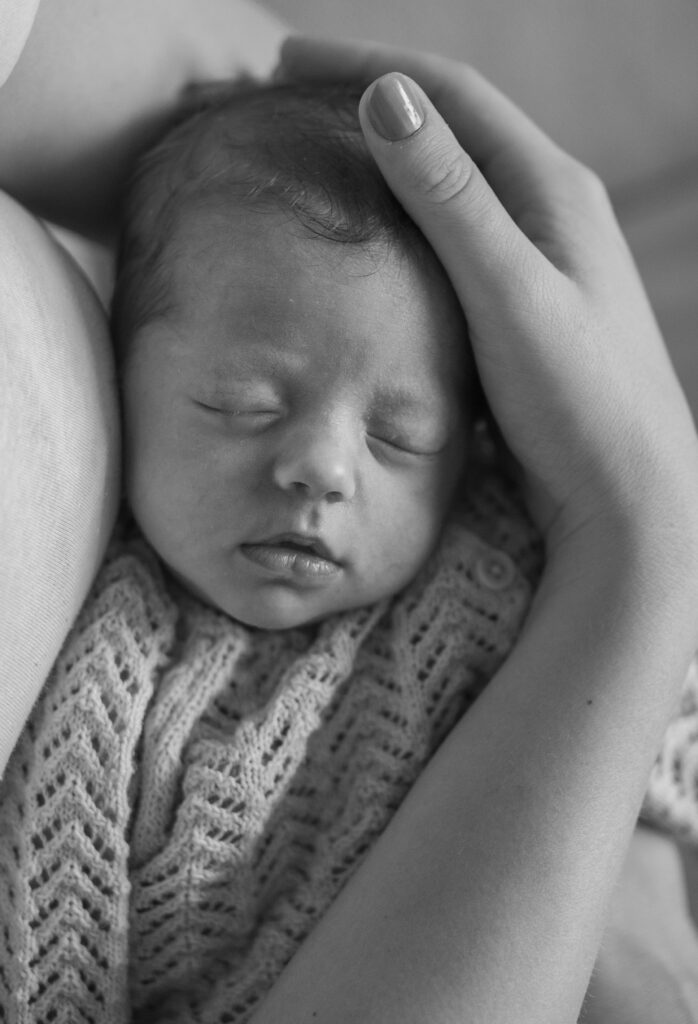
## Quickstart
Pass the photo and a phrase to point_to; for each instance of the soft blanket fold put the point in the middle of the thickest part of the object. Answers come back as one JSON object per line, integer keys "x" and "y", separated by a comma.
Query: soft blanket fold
{"x": 190, "y": 795}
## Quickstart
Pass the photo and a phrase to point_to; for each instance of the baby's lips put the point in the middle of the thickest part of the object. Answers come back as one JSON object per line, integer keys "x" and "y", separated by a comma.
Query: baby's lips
{"x": 307, "y": 542}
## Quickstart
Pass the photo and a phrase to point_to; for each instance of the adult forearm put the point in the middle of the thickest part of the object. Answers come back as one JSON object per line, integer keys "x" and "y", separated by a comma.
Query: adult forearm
{"x": 97, "y": 79}
{"x": 485, "y": 899}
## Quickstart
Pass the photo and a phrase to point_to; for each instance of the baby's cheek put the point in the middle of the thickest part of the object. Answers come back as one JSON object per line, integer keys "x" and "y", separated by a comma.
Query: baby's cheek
{"x": 437, "y": 488}
{"x": 164, "y": 494}
{"x": 408, "y": 532}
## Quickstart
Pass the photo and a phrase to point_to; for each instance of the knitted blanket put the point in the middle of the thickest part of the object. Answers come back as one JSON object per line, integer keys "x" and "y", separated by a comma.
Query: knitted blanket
{"x": 190, "y": 795}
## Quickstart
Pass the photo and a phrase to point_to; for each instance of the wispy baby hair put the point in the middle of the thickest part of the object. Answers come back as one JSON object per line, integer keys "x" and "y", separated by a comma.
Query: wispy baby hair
{"x": 293, "y": 148}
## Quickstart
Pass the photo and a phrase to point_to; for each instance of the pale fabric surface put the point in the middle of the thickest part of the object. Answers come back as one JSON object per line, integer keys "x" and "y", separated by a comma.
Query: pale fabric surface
{"x": 59, "y": 444}
{"x": 16, "y": 18}
{"x": 95, "y": 259}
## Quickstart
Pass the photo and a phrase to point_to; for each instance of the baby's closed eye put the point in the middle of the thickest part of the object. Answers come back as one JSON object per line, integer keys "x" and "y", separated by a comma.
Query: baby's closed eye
{"x": 237, "y": 409}
{"x": 412, "y": 439}
{"x": 254, "y": 403}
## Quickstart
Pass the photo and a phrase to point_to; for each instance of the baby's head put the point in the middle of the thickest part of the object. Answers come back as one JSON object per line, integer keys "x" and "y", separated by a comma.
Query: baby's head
{"x": 295, "y": 370}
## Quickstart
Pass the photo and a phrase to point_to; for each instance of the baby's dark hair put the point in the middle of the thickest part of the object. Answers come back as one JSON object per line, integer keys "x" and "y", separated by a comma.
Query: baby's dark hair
{"x": 297, "y": 149}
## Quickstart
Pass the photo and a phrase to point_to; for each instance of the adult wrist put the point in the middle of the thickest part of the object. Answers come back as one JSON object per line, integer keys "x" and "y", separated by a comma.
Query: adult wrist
{"x": 649, "y": 545}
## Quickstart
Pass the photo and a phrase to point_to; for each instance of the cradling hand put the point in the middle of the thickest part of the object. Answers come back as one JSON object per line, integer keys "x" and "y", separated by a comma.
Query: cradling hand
{"x": 569, "y": 354}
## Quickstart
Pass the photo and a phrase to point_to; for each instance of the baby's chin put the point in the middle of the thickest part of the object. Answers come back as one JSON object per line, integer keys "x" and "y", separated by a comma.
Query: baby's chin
{"x": 274, "y": 608}
{"x": 280, "y": 614}
{"x": 276, "y": 619}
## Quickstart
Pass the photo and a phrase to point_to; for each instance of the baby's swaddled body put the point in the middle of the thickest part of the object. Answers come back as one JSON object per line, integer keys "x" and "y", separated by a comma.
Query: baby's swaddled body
{"x": 191, "y": 794}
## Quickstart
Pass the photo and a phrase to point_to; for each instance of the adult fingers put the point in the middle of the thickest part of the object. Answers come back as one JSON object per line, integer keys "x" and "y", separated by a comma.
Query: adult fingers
{"x": 465, "y": 98}
{"x": 556, "y": 201}
{"x": 490, "y": 261}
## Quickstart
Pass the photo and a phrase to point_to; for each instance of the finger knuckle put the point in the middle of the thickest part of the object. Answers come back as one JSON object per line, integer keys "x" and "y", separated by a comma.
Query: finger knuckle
{"x": 445, "y": 176}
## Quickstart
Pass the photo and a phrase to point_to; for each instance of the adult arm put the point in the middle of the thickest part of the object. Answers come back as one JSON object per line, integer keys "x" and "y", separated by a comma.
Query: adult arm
{"x": 486, "y": 898}
{"x": 96, "y": 78}
{"x": 16, "y": 20}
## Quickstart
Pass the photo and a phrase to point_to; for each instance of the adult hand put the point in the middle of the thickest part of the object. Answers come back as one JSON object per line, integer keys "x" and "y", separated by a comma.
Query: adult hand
{"x": 486, "y": 896}
{"x": 569, "y": 354}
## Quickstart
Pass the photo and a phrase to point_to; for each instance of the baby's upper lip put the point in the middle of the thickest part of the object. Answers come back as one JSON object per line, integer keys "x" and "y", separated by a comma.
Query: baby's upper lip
{"x": 312, "y": 543}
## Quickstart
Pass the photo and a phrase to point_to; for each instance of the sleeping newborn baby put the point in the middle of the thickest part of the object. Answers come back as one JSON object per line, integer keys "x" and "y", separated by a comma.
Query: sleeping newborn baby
{"x": 322, "y": 565}
{"x": 298, "y": 387}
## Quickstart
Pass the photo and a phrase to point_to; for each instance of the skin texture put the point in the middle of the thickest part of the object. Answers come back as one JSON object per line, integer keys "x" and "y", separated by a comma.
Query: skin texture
{"x": 294, "y": 386}
{"x": 97, "y": 81}
{"x": 572, "y": 362}
{"x": 486, "y": 898}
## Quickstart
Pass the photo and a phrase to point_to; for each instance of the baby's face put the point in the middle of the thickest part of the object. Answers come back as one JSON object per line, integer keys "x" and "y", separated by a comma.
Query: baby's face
{"x": 294, "y": 426}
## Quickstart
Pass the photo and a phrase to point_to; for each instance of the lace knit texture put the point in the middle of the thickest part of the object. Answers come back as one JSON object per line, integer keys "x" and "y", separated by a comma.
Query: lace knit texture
{"x": 190, "y": 795}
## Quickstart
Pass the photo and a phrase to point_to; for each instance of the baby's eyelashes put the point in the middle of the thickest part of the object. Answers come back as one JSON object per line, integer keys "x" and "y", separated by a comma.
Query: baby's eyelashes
{"x": 385, "y": 440}
{"x": 231, "y": 410}
{"x": 402, "y": 445}
{"x": 413, "y": 438}
{"x": 240, "y": 399}
{"x": 253, "y": 416}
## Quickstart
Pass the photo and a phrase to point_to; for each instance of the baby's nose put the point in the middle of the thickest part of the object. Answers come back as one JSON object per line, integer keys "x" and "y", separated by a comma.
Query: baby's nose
{"x": 319, "y": 468}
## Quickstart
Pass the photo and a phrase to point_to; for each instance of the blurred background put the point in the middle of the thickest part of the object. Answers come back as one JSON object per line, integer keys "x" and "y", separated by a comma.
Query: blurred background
{"x": 613, "y": 81}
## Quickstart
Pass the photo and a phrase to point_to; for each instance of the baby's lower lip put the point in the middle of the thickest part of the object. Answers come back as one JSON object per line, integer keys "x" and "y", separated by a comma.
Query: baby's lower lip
{"x": 290, "y": 561}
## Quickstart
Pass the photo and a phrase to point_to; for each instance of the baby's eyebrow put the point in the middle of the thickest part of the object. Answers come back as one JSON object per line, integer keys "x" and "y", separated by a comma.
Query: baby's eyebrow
{"x": 251, "y": 361}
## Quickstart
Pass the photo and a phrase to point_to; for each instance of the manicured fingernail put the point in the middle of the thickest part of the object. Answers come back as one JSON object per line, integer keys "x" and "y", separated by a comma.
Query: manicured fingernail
{"x": 394, "y": 108}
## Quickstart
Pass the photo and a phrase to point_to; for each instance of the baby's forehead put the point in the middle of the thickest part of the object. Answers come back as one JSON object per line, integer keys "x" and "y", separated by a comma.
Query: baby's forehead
{"x": 246, "y": 275}
{"x": 266, "y": 240}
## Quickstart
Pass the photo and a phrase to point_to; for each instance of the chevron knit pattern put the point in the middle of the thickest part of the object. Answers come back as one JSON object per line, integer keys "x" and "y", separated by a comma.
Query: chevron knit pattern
{"x": 671, "y": 801}
{"x": 190, "y": 795}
